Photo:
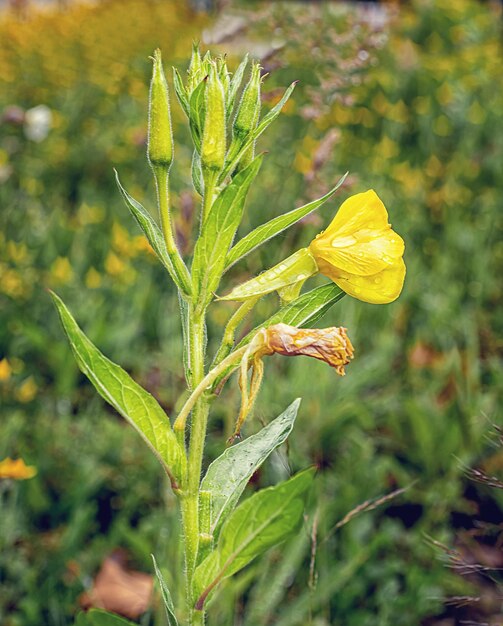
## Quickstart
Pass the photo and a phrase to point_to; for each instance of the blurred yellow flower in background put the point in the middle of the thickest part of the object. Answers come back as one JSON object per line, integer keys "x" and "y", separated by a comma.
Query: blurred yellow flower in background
{"x": 27, "y": 391}
{"x": 360, "y": 252}
{"x": 5, "y": 370}
{"x": 61, "y": 271}
{"x": 16, "y": 469}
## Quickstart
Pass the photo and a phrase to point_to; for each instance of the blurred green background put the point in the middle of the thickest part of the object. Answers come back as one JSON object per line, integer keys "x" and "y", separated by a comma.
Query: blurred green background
{"x": 409, "y": 99}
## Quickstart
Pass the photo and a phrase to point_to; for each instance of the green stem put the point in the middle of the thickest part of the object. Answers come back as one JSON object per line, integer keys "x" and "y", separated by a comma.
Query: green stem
{"x": 230, "y": 330}
{"x": 203, "y": 385}
{"x": 198, "y": 618}
{"x": 190, "y": 498}
{"x": 210, "y": 182}
{"x": 181, "y": 273}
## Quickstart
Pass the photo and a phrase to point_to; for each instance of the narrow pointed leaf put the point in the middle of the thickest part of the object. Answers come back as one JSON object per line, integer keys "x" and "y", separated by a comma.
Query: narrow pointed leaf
{"x": 153, "y": 234}
{"x": 229, "y": 474}
{"x": 127, "y": 397}
{"x": 196, "y": 113}
{"x": 218, "y": 232}
{"x": 197, "y": 173}
{"x": 270, "y": 229}
{"x": 181, "y": 92}
{"x": 166, "y": 596}
{"x": 274, "y": 112}
{"x": 235, "y": 84}
{"x": 304, "y": 311}
{"x": 264, "y": 520}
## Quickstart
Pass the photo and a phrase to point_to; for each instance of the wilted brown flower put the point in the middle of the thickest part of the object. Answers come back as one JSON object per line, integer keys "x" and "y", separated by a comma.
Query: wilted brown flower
{"x": 331, "y": 345}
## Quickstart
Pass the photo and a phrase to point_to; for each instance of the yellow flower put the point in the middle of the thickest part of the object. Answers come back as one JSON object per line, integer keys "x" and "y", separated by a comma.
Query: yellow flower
{"x": 360, "y": 252}
{"x": 16, "y": 469}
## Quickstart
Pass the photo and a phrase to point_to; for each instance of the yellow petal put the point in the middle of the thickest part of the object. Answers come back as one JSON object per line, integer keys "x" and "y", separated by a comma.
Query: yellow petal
{"x": 16, "y": 469}
{"x": 361, "y": 211}
{"x": 381, "y": 288}
{"x": 365, "y": 252}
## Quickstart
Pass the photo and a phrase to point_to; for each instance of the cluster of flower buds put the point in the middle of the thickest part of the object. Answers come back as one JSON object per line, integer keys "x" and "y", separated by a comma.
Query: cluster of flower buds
{"x": 208, "y": 99}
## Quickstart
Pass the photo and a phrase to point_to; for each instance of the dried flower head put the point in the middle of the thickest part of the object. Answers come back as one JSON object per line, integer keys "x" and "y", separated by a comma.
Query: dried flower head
{"x": 331, "y": 345}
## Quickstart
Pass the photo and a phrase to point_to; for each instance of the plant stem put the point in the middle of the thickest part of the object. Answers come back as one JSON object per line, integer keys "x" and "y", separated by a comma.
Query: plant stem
{"x": 210, "y": 180}
{"x": 181, "y": 273}
{"x": 190, "y": 498}
{"x": 230, "y": 330}
{"x": 203, "y": 385}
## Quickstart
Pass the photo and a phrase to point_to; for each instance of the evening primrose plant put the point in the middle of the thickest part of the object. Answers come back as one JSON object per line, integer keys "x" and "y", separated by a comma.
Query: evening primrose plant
{"x": 358, "y": 252}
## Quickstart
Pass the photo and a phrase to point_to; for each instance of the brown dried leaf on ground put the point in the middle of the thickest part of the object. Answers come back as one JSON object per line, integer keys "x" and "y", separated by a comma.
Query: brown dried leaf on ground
{"x": 119, "y": 589}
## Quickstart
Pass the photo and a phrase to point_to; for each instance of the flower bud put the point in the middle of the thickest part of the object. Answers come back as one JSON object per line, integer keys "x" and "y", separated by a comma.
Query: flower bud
{"x": 214, "y": 139}
{"x": 160, "y": 138}
{"x": 195, "y": 74}
{"x": 223, "y": 74}
{"x": 249, "y": 107}
{"x": 331, "y": 345}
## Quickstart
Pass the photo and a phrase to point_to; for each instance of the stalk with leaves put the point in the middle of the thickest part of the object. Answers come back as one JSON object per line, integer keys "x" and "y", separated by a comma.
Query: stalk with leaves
{"x": 358, "y": 251}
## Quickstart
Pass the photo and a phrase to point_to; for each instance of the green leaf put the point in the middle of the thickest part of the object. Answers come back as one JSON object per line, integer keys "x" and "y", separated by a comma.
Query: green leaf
{"x": 235, "y": 83}
{"x": 184, "y": 316}
{"x": 196, "y": 116}
{"x": 270, "y": 229}
{"x": 228, "y": 475}
{"x": 197, "y": 173}
{"x": 218, "y": 232}
{"x": 309, "y": 307}
{"x": 265, "y": 519}
{"x": 181, "y": 92}
{"x": 153, "y": 234}
{"x": 97, "y": 617}
{"x": 166, "y": 596}
{"x": 135, "y": 404}
{"x": 274, "y": 112}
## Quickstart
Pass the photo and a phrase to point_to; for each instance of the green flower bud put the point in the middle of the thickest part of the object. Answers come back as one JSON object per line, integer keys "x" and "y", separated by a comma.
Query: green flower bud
{"x": 195, "y": 74}
{"x": 224, "y": 75}
{"x": 214, "y": 139}
{"x": 249, "y": 107}
{"x": 160, "y": 137}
